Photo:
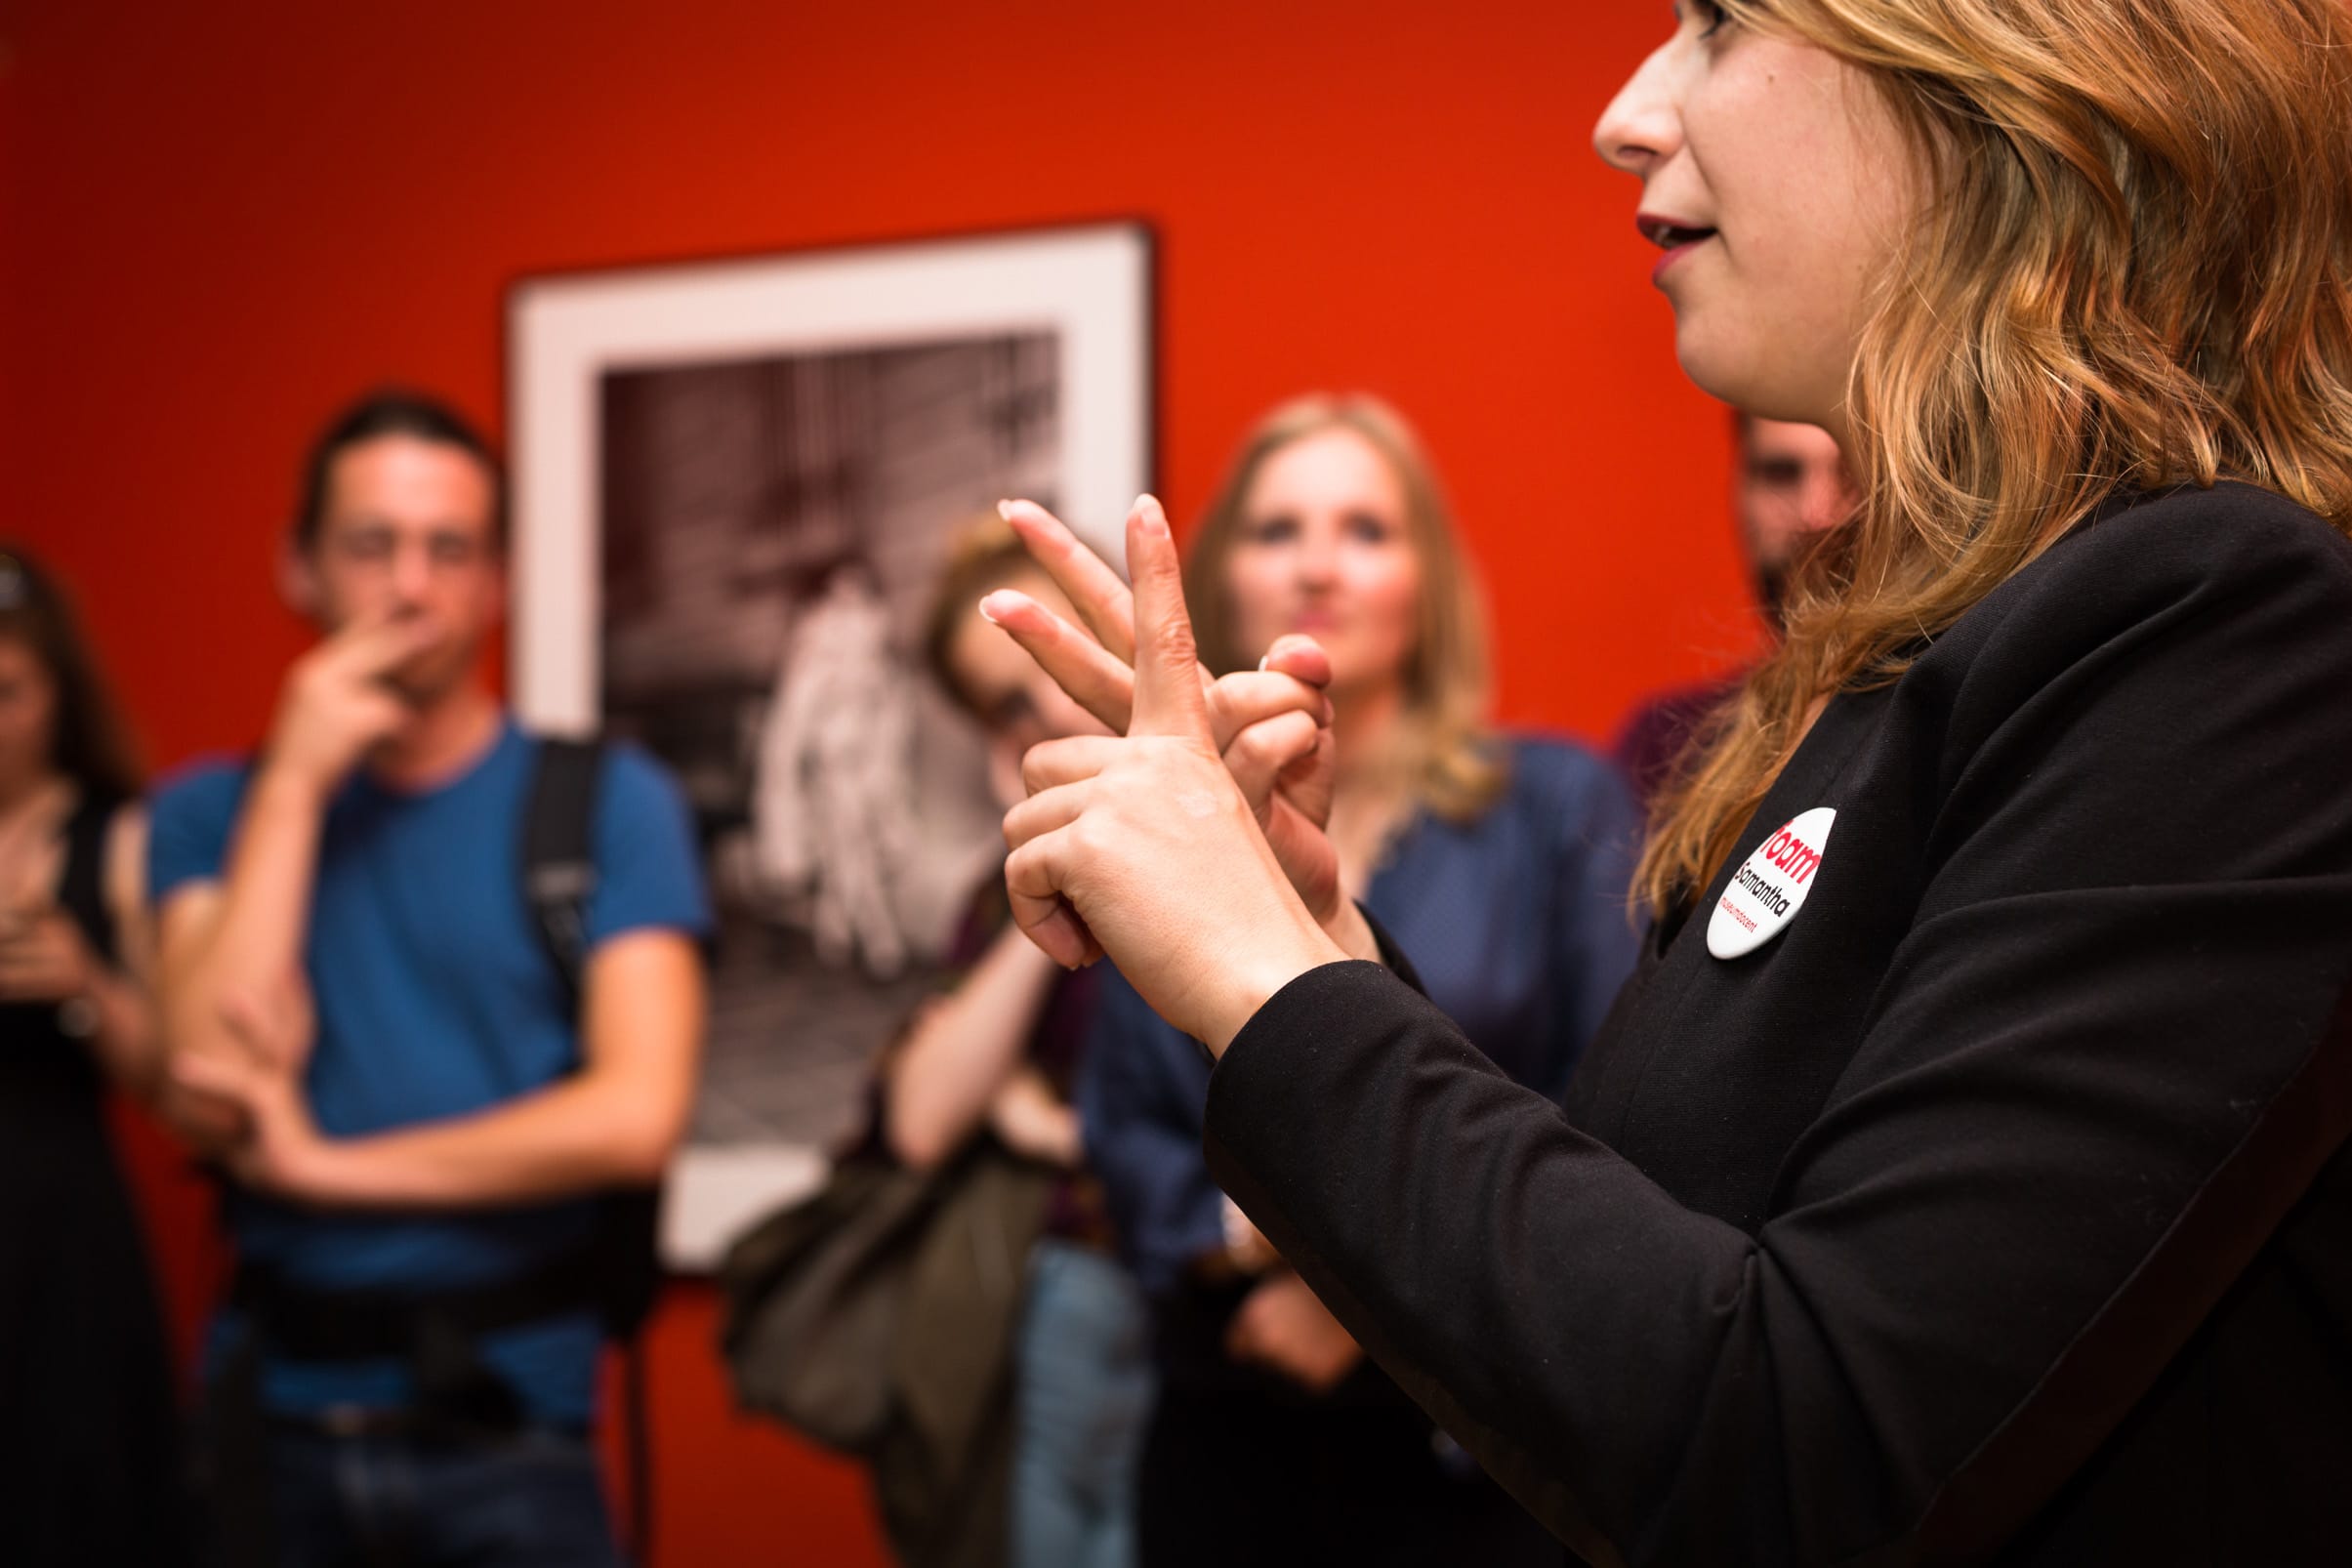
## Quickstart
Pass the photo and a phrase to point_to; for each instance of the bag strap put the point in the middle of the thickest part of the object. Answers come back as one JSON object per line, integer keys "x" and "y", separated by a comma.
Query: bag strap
{"x": 558, "y": 851}
{"x": 559, "y": 878}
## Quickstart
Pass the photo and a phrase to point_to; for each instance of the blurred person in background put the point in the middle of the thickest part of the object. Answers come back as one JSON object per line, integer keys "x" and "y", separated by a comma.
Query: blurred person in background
{"x": 997, "y": 1054}
{"x": 417, "y": 1105}
{"x": 1502, "y": 863}
{"x": 1001, "y": 1053}
{"x": 1791, "y": 486}
{"x": 89, "y": 1432}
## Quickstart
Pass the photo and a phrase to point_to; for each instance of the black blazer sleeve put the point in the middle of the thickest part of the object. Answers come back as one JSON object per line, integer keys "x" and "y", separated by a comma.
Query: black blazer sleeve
{"x": 2106, "y": 1059}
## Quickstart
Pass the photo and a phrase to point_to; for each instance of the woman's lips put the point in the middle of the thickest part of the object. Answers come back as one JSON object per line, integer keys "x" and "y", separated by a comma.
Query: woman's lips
{"x": 1676, "y": 253}
{"x": 1677, "y": 236}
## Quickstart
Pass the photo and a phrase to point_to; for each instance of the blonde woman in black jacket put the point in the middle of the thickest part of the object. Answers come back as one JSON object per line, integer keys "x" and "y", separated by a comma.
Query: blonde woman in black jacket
{"x": 1960, "y": 1176}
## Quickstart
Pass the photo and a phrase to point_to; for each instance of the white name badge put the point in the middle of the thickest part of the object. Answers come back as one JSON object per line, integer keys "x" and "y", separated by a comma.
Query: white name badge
{"x": 1771, "y": 887}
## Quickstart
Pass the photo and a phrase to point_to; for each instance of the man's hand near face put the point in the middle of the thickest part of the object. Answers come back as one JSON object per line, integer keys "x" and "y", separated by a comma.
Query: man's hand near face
{"x": 339, "y": 702}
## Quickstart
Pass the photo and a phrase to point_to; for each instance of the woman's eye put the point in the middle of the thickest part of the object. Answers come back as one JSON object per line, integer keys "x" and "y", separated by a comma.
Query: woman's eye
{"x": 1369, "y": 528}
{"x": 1273, "y": 531}
{"x": 1705, "y": 13}
{"x": 1011, "y": 711}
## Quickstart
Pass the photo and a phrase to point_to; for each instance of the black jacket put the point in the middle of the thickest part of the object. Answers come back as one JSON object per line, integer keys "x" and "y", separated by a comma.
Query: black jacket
{"x": 1993, "y": 1209}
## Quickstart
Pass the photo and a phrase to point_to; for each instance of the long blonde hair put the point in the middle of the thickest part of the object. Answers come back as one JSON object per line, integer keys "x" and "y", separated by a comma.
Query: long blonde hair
{"x": 2135, "y": 275}
{"x": 1442, "y": 753}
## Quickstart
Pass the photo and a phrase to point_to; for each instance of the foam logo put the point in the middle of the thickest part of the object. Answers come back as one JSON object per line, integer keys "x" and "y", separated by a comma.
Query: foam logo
{"x": 1771, "y": 886}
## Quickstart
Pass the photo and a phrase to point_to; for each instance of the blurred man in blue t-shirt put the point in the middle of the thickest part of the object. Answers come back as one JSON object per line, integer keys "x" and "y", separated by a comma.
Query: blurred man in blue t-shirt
{"x": 416, "y": 1113}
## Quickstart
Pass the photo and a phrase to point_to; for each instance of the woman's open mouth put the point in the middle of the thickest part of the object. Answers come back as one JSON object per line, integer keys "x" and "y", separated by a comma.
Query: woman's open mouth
{"x": 1673, "y": 237}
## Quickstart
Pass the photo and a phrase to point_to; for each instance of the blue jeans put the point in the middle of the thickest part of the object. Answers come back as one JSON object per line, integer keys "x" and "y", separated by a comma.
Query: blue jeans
{"x": 529, "y": 1501}
{"x": 1081, "y": 1402}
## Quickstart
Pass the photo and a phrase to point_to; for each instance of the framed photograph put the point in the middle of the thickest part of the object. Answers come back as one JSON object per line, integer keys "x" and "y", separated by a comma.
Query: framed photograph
{"x": 734, "y": 486}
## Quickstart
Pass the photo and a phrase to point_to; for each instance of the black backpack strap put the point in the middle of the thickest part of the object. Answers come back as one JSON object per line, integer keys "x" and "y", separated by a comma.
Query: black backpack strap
{"x": 559, "y": 878}
{"x": 82, "y": 885}
{"x": 558, "y": 851}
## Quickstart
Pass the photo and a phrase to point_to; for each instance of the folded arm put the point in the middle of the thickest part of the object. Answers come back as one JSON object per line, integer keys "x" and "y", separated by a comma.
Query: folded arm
{"x": 614, "y": 1123}
{"x": 963, "y": 1050}
{"x": 229, "y": 981}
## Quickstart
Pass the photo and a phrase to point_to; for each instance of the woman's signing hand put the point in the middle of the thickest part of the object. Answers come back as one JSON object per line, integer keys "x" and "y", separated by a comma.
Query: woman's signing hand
{"x": 1271, "y": 727}
{"x": 1146, "y": 846}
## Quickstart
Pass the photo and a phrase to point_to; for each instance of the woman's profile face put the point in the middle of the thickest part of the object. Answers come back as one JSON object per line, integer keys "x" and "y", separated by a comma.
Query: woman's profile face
{"x": 1322, "y": 548}
{"x": 1778, "y": 186}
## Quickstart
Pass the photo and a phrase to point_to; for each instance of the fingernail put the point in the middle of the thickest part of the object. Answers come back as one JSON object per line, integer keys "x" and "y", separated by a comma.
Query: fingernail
{"x": 1004, "y": 510}
{"x": 1153, "y": 519}
{"x": 1265, "y": 659}
{"x": 987, "y": 614}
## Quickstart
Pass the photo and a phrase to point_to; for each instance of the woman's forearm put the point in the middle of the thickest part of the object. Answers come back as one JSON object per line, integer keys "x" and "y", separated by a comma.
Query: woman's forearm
{"x": 963, "y": 1050}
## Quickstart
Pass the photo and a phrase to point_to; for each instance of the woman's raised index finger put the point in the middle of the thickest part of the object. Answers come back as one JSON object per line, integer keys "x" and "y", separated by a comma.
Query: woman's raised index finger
{"x": 1169, "y": 700}
{"x": 1095, "y": 591}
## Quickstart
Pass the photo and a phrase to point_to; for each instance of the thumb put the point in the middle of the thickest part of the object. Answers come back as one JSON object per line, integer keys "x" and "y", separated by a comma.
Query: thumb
{"x": 214, "y": 1075}
{"x": 1300, "y": 657}
{"x": 1168, "y": 681}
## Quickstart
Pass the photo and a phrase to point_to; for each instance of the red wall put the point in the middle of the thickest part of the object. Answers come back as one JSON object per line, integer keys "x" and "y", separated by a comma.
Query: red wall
{"x": 218, "y": 221}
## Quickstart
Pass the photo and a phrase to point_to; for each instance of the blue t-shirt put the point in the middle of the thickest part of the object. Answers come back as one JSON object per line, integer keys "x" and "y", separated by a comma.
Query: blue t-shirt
{"x": 435, "y": 997}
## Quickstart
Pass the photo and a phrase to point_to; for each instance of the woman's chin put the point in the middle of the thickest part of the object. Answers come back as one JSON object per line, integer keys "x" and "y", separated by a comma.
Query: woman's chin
{"x": 1712, "y": 366}
{"x": 1749, "y": 376}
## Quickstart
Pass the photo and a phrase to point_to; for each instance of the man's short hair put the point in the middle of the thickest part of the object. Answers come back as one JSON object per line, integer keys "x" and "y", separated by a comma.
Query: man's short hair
{"x": 393, "y": 411}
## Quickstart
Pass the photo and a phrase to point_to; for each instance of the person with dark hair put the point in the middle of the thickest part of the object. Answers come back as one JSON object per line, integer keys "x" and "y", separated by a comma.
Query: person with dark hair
{"x": 1790, "y": 486}
{"x": 392, "y": 411}
{"x": 997, "y": 1056}
{"x": 88, "y": 1430}
{"x": 431, "y": 1078}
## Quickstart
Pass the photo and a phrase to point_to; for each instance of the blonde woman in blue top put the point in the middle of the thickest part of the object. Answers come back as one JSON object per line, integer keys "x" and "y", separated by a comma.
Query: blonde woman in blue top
{"x": 1502, "y": 865}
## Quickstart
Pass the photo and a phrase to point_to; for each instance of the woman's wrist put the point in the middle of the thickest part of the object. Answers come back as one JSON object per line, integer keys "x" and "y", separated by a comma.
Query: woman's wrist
{"x": 1351, "y": 933}
{"x": 1262, "y": 970}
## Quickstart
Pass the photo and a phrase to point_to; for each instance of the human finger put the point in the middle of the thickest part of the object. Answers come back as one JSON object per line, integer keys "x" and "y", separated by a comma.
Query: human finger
{"x": 1250, "y": 697}
{"x": 1299, "y": 656}
{"x": 220, "y": 1076}
{"x": 1099, "y": 682}
{"x": 1033, "y": 886}
{"x": 1095, "y": 591}
{"x": 1045, "y": 812}
{"x": 248, "y": 1023}
{"x": 1259, "y": 754}
{"x": 1068, "y": 761}
{"x": 1169, "y": 700}
{"x": 374, "y": 645}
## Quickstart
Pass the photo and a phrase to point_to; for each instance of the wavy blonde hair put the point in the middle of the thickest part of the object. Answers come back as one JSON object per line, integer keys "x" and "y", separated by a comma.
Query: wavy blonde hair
{"x": 2134, "y": 274}
{"x": 1443, "y": 753}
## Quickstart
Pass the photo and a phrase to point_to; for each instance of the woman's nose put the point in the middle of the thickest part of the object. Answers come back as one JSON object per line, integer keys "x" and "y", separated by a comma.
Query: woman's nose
{"x": 1642, "y": 127}
{"x": 1317, "y": 560}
